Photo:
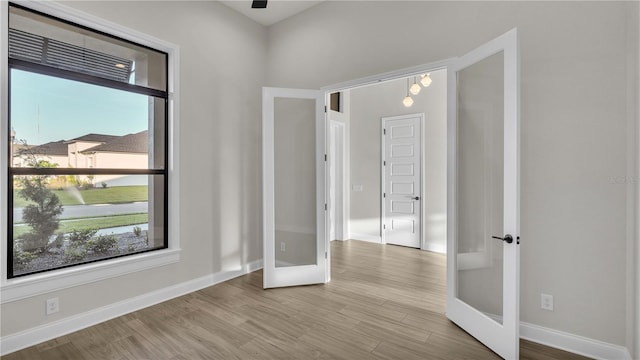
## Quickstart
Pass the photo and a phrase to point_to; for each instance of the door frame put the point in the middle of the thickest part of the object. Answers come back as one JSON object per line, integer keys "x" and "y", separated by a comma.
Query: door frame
{"x": 340, "y": 227}
{"x": 383, "y": 121}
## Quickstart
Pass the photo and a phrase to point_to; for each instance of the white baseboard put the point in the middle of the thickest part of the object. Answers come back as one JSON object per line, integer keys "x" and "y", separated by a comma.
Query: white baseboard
{"x": 573, "y": 343}
{"x": 442, "y": 249}
{"x": 30, "y": 337}
{"x": 365, "y": 237}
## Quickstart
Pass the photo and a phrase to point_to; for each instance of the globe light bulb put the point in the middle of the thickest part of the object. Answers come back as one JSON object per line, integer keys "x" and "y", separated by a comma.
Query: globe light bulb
{"x": 407, "y": 102}
{"x": 426, "y": 80}
{"x": 415, "y": 89}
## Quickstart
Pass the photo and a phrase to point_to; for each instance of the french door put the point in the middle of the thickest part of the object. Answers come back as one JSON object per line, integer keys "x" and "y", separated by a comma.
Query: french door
{"x": 483, "y": 252}
{"x": 294, "y": 205}
{"x": 483, "y": 258}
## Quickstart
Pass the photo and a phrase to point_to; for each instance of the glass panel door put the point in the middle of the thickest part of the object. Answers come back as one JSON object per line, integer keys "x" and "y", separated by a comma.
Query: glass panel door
{"x": 294, "y": 187}
{"x": 483, "y": 221}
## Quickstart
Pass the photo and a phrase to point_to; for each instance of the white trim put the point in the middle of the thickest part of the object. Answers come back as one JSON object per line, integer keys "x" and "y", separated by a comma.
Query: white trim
{"x": 37, "y": 335}
{"x": 388, "y": 76}
{"x": 365, "y": 237}
{"x": 339, "y": 218}
{"x": 573, "y": 343}
{"x": 4, "y": 137}
{"x": 27, "y": 286}
{"x": 38, "y": 284}
{"x": 437, "y": 248}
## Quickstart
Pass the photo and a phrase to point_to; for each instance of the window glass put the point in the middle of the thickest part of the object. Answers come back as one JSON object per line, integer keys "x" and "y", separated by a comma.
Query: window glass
{"x": 77, "y": 125}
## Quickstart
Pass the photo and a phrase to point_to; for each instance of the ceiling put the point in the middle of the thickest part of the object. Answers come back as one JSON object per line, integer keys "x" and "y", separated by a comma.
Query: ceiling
{"x": 277, "y": 10}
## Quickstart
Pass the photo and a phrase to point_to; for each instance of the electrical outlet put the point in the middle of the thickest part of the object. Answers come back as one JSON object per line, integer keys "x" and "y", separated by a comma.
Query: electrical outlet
{"x": 282, "y": 246}
{"x": 546, "y": 302}
{"x": 52, "y": 306}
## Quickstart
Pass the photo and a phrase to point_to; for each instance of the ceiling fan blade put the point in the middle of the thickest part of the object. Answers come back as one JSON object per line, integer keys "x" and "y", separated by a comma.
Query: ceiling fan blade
{"x": 259, "y": 4}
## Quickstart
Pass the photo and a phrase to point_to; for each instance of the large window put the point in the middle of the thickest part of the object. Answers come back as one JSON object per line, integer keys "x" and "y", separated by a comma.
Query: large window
{"x": 88, "y": 156}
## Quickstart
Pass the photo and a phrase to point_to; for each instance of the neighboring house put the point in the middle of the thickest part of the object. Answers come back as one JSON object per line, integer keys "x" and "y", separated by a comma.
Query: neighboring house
{"x": 125, "y": 152}
{"x": 76, "y": 146}
{"x": 54, "y": 152}
{"x": 96, "y": 151}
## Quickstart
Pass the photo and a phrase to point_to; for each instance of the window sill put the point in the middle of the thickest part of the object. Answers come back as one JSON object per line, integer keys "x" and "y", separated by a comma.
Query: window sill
{"x": 16, "y": 289}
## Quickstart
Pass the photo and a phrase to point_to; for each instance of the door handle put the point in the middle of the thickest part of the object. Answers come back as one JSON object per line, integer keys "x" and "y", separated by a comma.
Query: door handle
{"x": 416, "y": 198}
{"x": 507, "y": 238}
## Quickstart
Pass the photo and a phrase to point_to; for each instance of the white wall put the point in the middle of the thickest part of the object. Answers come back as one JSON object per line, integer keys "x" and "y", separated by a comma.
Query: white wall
{"x": 221, "y": 75}
{"x": 368, "y": 105}
{"x": 574, "y": 127}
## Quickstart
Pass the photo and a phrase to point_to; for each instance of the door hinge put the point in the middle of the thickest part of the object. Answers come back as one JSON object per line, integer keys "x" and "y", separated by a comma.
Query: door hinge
{"x": 384, "y": 131}
{"x": 384, "y": 226}
{"x": 325, "y": 254}
{"x": 325, "y": 157}
{"x": 384, "y": 163}
{"x": 384, "y": 195}
{"x": 325, "y": 207}
{"x": 325, "y": 108}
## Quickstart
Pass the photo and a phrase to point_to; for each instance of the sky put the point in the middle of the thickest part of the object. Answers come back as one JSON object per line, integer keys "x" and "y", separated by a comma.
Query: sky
{"x": 45, "y": 109}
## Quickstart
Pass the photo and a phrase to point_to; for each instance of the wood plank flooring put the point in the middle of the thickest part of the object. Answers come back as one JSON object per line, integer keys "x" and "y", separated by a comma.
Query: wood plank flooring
{"x": 383, "y": 302}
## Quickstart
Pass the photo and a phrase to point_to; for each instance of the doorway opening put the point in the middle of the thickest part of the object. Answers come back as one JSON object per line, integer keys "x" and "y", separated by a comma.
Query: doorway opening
{"x": 367, "y": 214}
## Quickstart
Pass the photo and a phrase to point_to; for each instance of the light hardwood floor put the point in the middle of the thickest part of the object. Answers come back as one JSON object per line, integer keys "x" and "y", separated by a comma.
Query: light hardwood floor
{"x": 384, "y": 302}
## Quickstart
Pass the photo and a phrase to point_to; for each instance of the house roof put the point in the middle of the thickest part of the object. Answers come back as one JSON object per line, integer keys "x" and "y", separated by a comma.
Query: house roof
{"x": 54, "y": 148}
{"x": 94, "y": 138}
{"x": 131, "y": 143}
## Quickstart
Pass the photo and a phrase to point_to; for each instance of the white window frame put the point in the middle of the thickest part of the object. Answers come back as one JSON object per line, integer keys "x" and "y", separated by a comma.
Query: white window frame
{"x": 41, "y": 283}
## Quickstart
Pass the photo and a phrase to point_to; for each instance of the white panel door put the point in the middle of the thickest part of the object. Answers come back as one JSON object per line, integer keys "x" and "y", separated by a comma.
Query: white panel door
{"x": 294, "y": 177}
{"x": 401, "y": 190}
{"x": 483, "y": 255}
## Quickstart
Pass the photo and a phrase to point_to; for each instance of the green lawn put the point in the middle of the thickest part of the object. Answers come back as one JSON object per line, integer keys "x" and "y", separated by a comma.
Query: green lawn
{"x": 67, "y": 226}
{"x": 111, "y": 195}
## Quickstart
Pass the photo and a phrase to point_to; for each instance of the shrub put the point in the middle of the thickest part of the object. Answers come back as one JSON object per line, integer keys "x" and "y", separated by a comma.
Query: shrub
{"x": 137, "y": 230}
{"x": 58, "y": 242}
{"x": 102, "y": 243}
{"x": 104, "y": 185}
{"x": 21, "y": 258}
{"x": 74, "y": 254}
{"x": 43, "y": 215}
{"x": 80, "y": 237}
